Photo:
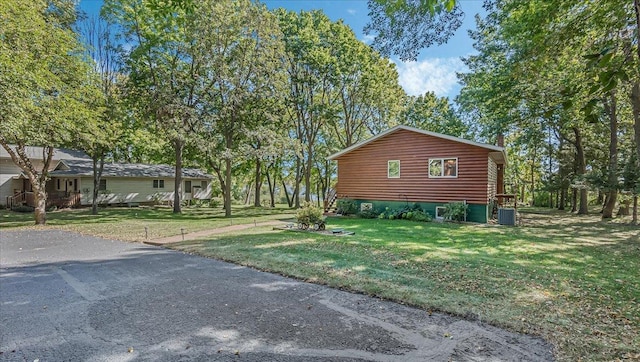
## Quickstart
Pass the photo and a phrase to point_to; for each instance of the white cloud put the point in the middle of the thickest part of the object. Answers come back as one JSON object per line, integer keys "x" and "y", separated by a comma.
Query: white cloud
{"x": 437, "y": 75}
{"x": 352, "y": 11}
{"x": 368, "y": 38}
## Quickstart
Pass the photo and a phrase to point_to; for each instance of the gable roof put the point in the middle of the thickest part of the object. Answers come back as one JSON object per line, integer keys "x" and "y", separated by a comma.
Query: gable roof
{"x": 35, "y": 152}
{"x": 85, "y": 168}
{"x": 421, "y": 131}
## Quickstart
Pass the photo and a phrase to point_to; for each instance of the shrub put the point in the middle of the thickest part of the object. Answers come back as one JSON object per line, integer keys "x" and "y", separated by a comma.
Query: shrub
{"x": 347, "y": 207}
{"x": 420, "y": 215}
{"x": 215, "y": 202}
{"x": 309, "y": 214}
{"x": 456, "y": 211}
{"x": 23, "y": 208}
{"x": 368, "y": 214}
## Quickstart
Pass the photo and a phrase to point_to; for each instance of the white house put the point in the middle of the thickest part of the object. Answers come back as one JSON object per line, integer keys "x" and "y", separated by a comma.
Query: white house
{"x": 12, "y": 180}
{"x": 71, "y": 181}
{"x": 129, "y": 182}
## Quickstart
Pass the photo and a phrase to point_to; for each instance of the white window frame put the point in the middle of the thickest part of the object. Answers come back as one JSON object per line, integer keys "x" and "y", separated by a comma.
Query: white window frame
{"x": 442, "y": 159}
{"x": 102, "y": 180}
{"x": 158, "y": 182}
{"x": 438, "y": 216}
{"x": 187, "y": 190}
{"x": 389, "y": 169}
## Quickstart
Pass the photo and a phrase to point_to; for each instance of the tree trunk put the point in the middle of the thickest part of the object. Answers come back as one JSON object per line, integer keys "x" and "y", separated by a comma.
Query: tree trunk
{"x": 635, "y": 102}
{"x": 563, "y": 198}
{"x": 533, "y": 180}
{"x": 612, "y": 179}
{"x": 286, "y": 193}
{"x": 272, "y": 188}
{"x": 177, "y": 189}
{"x": 227, "y": 189}
{"x": 296, "y": 190}
{"x": 98, "y": 166}
{"x": 581, "y": 170}
{"x": 40, "y": 199}
{"x": 307, "y": 174}
{"x": 574, "y": 200}
{"x": 256, "y": 199}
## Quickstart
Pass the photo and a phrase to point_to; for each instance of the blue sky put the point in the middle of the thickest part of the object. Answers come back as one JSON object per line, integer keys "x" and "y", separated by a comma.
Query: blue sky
{"x": 436, "y": 67}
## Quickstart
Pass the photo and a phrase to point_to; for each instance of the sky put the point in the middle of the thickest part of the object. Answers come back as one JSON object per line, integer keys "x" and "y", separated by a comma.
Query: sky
{"x": 436, "y": 67}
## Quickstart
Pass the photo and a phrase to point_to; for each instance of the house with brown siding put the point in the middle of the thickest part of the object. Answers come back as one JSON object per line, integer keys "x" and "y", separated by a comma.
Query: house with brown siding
{"x": 409, "y": 165}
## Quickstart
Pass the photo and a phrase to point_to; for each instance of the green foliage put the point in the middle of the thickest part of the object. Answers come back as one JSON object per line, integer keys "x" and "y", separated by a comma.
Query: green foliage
{"x": 410, "y": 212}
{"x": 368, "y": 214}
{"x": 405, "y": 27}
{"x": 456, "y": 211}
{"x": 309, "y": 214}
{"x": 432, "y": 113}
{"x": 23, "y": 209}
{"x": 347, "y": 207}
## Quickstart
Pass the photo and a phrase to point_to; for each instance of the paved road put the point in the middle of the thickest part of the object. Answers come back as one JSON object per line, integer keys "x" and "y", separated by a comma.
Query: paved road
{"x": 67, "y": 297}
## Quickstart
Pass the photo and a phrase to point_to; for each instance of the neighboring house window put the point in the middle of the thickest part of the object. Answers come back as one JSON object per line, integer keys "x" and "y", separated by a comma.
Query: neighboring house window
{"x": 58, "y": 186}
{"x": 187, "y": 187}
{"x": 103, "y": 185}
{"x": 393, "y": 169}
{"x": 443, "y": 167}
{"x": 203, "y": 184}
{"x": 158, "y": 184}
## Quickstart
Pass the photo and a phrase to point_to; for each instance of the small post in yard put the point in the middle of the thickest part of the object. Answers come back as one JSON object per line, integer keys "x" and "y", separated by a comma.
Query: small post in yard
{"x": 146, "y": 233}
{"x": 182, "y": 232}
{"x": 254, "y": 222}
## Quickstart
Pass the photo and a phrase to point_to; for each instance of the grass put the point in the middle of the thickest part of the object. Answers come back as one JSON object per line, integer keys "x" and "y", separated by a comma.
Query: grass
{"x": 572, "y": 280}
{"x": 128, "y": 224}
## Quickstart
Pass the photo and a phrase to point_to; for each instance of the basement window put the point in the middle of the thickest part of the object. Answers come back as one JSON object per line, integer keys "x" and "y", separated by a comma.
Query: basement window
{"x": 443, "y": 167}
{"x": 393, "y": 169}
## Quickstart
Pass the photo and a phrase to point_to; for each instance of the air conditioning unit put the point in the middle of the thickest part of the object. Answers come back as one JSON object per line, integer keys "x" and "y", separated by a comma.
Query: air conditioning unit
{"x": 507, "y": 216}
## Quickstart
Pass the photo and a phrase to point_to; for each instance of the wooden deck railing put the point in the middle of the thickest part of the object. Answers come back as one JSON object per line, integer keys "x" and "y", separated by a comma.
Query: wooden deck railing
{"x": 330, "y": 199}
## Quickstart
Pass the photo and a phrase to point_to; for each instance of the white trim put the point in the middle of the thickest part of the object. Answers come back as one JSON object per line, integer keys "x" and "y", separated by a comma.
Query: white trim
{"x": 412, "y": 129}
{"x": 442, "y": 159}
{"x": 389, "y": 168}
{"x": 443, "y": 208}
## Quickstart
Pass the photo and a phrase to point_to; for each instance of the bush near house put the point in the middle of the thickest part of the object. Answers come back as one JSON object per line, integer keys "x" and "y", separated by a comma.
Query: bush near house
{"x": 410, "y": 212}
{"x": 456, "y": 211}
{"x": 347, "y": 207}
{"x": 309, "y": 214}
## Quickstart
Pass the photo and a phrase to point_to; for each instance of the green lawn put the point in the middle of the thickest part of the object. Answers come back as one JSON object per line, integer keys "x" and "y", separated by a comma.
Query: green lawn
{"x": 572, "y": 280}
{"x": 129, "y": 224}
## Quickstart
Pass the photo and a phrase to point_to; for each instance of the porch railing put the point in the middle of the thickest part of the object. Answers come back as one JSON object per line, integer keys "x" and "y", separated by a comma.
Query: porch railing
{"x": 59, "y": 199}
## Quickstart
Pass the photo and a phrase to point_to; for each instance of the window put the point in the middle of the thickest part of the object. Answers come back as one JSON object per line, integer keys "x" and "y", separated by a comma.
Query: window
{"x": 443, "y": 167}
{"x": 187, "y": 187}
{"x": 58, "y": 185}
{"x": 158, "y": 184}
{"x": 393, "y": 169}
{"x": 103, "y": 185}
{"x": 440, "y": 211}
{"x": 203, "y": 184}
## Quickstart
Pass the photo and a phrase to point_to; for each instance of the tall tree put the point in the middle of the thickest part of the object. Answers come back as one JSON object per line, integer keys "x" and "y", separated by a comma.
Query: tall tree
{"x": 312, "y": 100}
{"x": 240, "y": 42}
{"x": 46, "y": 86}
{"x": 103, "y": 51}
{"x": 164, "y": 68}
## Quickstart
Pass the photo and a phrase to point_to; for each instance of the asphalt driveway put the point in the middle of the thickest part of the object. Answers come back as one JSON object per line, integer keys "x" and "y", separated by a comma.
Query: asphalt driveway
{"x": 68, "y": 297}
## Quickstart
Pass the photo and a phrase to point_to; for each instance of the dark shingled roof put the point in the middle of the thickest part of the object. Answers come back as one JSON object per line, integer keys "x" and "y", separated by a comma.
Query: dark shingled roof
{"x": 85, "y": 168}
{"x": 35, "y": 152}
